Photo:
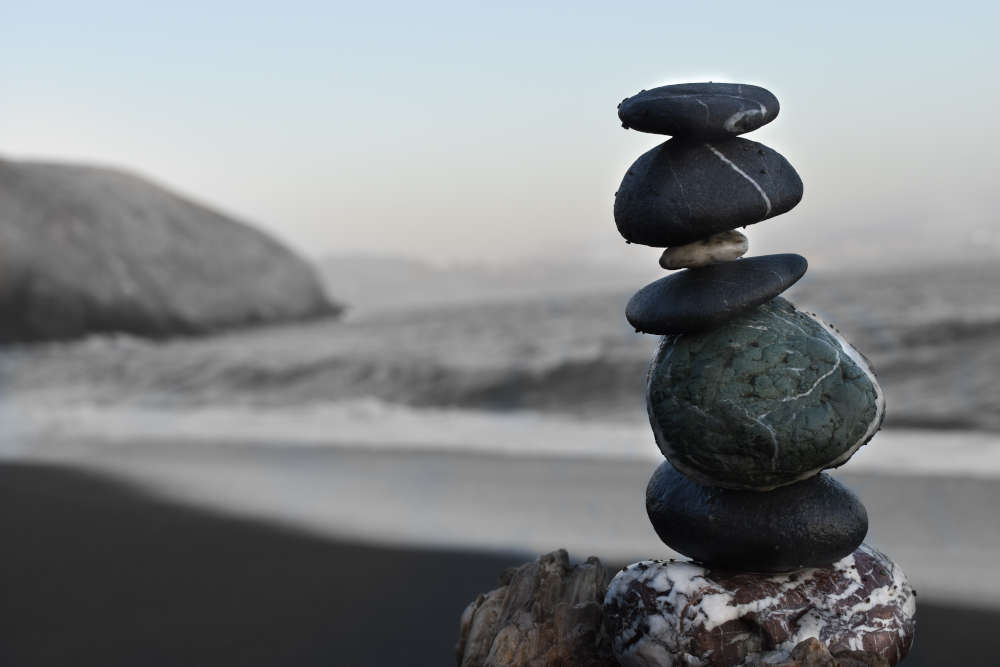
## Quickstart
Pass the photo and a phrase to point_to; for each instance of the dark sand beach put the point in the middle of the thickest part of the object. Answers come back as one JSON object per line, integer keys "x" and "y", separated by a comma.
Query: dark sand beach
{"x": 96, "y": 572}
{"x": 941, "y": 528}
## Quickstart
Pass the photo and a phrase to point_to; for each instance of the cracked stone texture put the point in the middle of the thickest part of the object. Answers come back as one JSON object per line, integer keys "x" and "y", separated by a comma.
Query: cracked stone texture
{"x": 861, "y": 609}
{"x": 771, "y": 397}
{"x": 685, "y": 190}
{"x": 704, "y": 109}
{"x": 811, "y": 523}
{"x": 545, "y": 613}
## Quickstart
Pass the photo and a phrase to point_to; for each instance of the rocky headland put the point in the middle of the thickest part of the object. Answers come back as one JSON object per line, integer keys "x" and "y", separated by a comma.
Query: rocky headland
{"x": 90, "y": 250}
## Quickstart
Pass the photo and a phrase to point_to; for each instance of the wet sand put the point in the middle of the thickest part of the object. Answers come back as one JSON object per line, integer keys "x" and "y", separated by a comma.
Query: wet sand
{"x": 943, "y": 530}
{"x": 96, "y": 572}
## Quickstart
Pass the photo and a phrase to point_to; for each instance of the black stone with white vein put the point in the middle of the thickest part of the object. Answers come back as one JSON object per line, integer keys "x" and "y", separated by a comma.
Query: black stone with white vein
{"x": 811, "y": 523}
{"x": 707, "y": 296}
{"x": 701, "y": 110}
{"x": 683, "y": 190}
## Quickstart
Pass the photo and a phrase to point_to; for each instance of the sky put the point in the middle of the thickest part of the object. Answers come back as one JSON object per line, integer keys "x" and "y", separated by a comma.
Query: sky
{"x": 470, "y": 133}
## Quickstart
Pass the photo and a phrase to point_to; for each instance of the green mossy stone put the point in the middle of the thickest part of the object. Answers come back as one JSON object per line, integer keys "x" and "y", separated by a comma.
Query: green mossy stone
{"x": 769, "y": 398}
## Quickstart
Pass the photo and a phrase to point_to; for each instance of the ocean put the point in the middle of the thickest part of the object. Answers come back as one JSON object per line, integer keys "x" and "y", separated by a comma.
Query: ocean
{"x": 535, "y": 374}
{"x": 511, "y": 423}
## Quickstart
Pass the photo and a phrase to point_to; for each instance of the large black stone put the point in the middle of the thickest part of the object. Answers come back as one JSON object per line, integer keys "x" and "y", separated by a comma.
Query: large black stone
{"x": 705, "y": 297}
{"x": 684, "y": 190}
{"x": 705, "y": 110}
{"x": 811, "y": 523}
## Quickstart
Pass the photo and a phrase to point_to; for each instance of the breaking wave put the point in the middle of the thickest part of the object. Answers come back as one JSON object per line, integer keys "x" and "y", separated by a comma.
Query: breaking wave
{"x": 574, "y": 355}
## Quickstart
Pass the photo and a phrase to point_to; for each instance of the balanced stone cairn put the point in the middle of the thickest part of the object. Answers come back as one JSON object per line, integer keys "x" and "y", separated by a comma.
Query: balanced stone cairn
{"x": 750, "y": 399}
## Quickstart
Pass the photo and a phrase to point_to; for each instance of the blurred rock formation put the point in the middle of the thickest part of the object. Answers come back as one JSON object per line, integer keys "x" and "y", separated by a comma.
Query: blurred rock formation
{"x": 85, "y": 250}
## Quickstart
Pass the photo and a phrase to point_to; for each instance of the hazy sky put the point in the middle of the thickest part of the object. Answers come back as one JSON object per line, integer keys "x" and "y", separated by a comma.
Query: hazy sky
{"x": 455, "y": 131}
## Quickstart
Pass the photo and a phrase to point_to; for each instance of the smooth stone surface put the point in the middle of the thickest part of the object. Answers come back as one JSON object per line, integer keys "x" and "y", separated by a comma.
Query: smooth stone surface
{"x": 706, "y": 297}
{"x": 721, "y": 247}
{"x": 89, "y": 250}
{"x": 769, "y": 398}
{"x": 811, "y": 523}
{"x": 682, "y": 190}
{"x": 673, "y": 612}
{"x": 704, "y": 110}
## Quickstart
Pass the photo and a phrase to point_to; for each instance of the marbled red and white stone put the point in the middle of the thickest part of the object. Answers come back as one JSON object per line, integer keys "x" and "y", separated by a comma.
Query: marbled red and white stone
{"x": 679, "y": 613}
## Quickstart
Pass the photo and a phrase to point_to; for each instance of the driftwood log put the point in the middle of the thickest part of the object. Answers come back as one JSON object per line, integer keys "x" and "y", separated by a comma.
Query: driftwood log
{"x": 550, "y": 614}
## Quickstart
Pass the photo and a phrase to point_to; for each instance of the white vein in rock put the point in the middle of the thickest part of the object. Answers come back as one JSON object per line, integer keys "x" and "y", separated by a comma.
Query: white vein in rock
{"x": 707, "y": 110}
{"x": 861, "y": 363}
{"x": 736, "y": 168}
{"x": 687, "y": 601}
{"x": 815, "y": 384}
{"x": 730, "y": 123}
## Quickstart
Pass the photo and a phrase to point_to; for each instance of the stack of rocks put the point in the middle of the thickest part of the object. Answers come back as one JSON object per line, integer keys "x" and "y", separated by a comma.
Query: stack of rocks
{"x": 749, "y": 400}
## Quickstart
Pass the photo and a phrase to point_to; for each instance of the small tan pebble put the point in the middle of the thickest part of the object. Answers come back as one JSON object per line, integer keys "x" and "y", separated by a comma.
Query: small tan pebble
{"x": 721, "y": 247}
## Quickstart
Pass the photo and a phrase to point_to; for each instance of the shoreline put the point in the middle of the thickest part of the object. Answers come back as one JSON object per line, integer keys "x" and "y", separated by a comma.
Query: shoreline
{"x": 98, "y": 572}
{"x": 942, "y": 530}
{"x": 899, "y": 452}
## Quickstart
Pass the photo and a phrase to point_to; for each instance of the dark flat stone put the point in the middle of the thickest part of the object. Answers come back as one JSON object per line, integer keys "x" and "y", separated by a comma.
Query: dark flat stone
{"x": 684, "y": 190}
{"x": 770, "y": 398}
{"x": 699, "y": 110}
{"x": 812, "y": 523}
{"x": 707, "y": 296}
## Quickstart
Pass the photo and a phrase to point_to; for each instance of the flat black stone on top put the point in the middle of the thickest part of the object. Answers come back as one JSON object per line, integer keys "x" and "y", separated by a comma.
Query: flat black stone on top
{"x": 812, "y": 523}
{"x": 705, "y": 297}
{"x": 706, "y": 110}
{"x": 684, "y": 190}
